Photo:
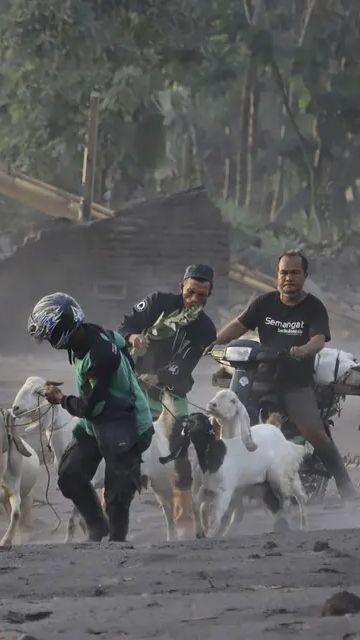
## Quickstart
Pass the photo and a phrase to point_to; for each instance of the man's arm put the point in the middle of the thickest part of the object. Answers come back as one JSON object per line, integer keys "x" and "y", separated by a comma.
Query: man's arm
{"x": 104, "y": 362}
{"x": 234, "y": 329}
{"x": 319, "y": 333}
{"x": 143, "y": 316}
{"x": 238, "y": 326}
{"x": 311, "y": 348}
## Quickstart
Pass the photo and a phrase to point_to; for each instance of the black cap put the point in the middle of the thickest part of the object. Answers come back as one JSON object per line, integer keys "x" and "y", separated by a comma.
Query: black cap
{"x": 199, "y": 272}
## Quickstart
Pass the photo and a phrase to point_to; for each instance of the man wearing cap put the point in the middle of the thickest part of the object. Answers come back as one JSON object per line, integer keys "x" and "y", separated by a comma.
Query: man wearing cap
{"x": 168, "y": 363}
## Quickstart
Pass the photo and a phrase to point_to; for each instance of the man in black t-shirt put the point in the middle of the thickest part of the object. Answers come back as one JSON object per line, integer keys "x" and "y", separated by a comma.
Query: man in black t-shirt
{"x": 292, "y": 320}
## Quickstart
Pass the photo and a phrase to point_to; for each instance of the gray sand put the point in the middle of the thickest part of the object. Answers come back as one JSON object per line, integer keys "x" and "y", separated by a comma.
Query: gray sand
{"x": 255, "y": 585}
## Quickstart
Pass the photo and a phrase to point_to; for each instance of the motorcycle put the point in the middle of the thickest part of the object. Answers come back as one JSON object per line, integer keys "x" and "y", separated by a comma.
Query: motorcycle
{"x": 245, "y": 366}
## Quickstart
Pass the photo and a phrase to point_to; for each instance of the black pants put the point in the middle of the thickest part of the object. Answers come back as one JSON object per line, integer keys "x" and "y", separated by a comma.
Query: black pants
{"x": 78, "y": 466}
{"x": 302, "y": 409}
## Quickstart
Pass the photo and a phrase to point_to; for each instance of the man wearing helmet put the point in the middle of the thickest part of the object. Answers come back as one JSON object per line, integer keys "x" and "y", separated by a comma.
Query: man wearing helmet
{"x": 168, "y": 358}
{"x": 115, "y": 422}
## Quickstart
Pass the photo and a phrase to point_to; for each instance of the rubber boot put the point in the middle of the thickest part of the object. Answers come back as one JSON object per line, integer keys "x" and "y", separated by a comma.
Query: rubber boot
{"x": 97, "y": 531}
{"x": 118, "y": 513}
{"x": 88, "y": 504}
{"x": 183, "y": 515}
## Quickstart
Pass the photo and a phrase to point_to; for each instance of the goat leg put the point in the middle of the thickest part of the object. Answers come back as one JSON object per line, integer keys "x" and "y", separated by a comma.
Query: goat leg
{"x": 74, "y": 520}
{"x": 70, "y": 531}
{"x": 233, "y": 516}
{"x": 281, "y": 524}
{"x": 197, "y": 501}
{"x": 9, "y": 535}
{"x": 25, "y": 511}
{"x": 168, "y": 510}
{"x": 4, "y": 500}
{"x": 300, "y": 498}
{"x": 219, "y": 507}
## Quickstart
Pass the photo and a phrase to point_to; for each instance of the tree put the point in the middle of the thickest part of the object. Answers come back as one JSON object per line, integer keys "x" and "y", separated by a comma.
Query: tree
{"x": 52, "y": 57}
{"x": 256, "y": 99}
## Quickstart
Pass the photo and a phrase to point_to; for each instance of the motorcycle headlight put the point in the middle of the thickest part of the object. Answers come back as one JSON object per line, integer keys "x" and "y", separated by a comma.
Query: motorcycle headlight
{"x": 237, "y": 354}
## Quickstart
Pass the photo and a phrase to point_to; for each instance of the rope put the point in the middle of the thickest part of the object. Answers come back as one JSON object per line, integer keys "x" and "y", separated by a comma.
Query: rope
{"x": 40, "y": 416}
{"x": 49, "y": 407}
{"x": 167, "y": 409}
{"x": 176, "y": 397}
{"x": 24, "y": 413}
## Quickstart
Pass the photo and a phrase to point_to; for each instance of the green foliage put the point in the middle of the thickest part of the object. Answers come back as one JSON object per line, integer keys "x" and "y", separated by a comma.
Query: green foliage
{"x": 15, "y": 218}
{"x": 249, "y": 231}
{"x": 190, "y": 91}
{"x": 53, "y": 57}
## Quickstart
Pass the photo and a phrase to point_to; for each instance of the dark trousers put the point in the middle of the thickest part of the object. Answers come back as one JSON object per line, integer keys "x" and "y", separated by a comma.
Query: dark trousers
{"x": 78, "y": 466}
{"x": 302, "y": 409}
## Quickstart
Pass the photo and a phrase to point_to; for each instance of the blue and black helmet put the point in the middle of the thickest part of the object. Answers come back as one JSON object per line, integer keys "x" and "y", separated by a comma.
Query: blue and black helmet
{"x": 55, "y": 318}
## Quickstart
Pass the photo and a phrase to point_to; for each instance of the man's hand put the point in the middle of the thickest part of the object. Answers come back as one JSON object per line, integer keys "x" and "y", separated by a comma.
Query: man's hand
{"x": 137, "y": 341}
{"x": 149, "y": 379}
{"x": 54, "y": 395}
{"x": 209, "y": 348}
{"x": 299, "y": 352}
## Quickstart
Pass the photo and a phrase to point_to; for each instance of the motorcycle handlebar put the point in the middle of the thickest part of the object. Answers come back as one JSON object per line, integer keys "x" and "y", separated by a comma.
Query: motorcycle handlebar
{"x": 285, "y": 353}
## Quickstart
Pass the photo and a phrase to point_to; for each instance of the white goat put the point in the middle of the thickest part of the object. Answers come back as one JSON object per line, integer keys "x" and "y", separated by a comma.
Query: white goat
{"x": 230, "y": 469}
{"x": 19, "y": 471}
{"x": 58, "y": 425}
{"x": 161, "y": 477}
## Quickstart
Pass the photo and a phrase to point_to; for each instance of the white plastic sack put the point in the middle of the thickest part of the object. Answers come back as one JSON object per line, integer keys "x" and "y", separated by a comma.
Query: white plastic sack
{"x": 325, "y": 367}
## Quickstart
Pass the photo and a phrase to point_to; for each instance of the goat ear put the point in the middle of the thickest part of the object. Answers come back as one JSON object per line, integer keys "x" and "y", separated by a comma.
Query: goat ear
{"x": 241, "y": 410}
{"x": 50, "y": 383}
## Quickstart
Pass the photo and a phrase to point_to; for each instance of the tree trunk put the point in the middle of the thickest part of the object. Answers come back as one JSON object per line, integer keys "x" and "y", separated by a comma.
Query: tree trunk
{"x": 253, "y": 11}
{"x": 279, "y": 186}
{"x": 250, "y": 141}
{"x": 247, "y": 127}
{"x": 196, "y": 159}
{"x": 226, "y": 193}
{"x": 301, "y": 17}
{"x": 278, "y": 198}
{"x": 185, "y": 161}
